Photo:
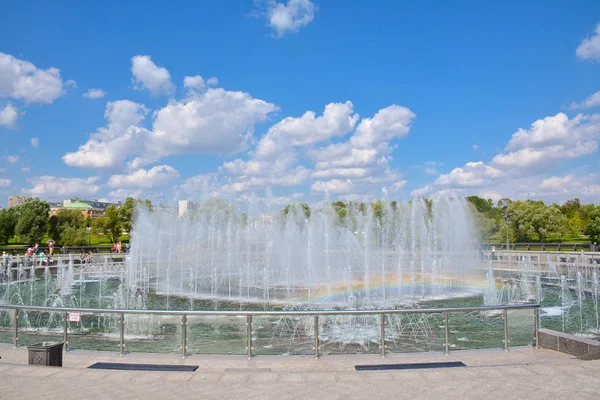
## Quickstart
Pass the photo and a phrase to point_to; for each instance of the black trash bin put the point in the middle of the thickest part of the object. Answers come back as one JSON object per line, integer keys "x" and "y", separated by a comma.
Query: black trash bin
{"x": 46, "y": 353}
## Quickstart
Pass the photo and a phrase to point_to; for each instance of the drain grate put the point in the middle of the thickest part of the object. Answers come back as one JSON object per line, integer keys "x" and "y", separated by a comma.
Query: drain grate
{"x": 384, "y": 367}
{"x": 143, "y": 367}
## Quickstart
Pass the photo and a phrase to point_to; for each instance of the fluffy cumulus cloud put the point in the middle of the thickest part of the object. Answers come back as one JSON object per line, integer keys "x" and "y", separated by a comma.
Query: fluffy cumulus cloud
{"x": 8, "y": 116}
{"x": 12, "y": 159}
{"x": 20, "y": 79}
{"x": 194, "y": 84}
{"x": 147, "y": 75}
{"x": 290, "y": 16}
{"x": 337, "y": 120}
{"x": 4, "y": 182}
{"x": 111, "y": 145}
{"x": 362, "y": 162}
{"x": 94, "y": 94}
{"x": 548, "y": 143}
{"x": 55, "y": 187}
{"x": 35, "y": 142}
{"x": 589, "y": 49}
{"x": 214, "y": 121}
{"x": 218, "y": 121}
{"x": 155, "y": 177}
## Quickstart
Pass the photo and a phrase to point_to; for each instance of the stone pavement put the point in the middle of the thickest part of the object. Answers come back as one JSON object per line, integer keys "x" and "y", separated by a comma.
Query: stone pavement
{"x": 521, "y": 373}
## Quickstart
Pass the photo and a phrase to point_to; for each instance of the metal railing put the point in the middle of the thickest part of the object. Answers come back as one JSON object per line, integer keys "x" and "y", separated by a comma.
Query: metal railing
{"x": 249, "y": 314}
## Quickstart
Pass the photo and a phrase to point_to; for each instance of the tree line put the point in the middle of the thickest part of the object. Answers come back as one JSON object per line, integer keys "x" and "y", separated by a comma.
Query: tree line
{"x": 31, "y": 222}
{"x": 533, "y": 220}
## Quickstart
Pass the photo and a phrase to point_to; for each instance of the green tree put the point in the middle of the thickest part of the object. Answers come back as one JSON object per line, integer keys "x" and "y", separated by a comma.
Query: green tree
{"x": 128, "y": 210}
{"x": 66, "y": 225}
{"x": 8, "y": 222}
{"x": 576, "y": 225}
{"x": 571, "y": 207}
{"x": 33, "y": 220}
{"x": 486, "y": 225}
{"x": 109, "y": 224}
{"x": 294, "y": 208}
{"x": 592, "y": 228}
{"x": 482, "y": 205}
{"x": 74, "y": 236}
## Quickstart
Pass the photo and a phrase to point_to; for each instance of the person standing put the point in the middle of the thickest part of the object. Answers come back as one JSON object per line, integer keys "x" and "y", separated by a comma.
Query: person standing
{"x": 119, "y": 246}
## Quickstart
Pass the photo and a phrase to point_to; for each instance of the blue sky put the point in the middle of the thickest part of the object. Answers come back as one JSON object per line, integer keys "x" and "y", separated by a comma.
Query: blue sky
{"x": 420, "y": 98}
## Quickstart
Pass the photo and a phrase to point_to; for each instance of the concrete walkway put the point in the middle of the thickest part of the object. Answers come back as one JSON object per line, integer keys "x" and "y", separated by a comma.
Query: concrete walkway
{"x": 521, "y": 373}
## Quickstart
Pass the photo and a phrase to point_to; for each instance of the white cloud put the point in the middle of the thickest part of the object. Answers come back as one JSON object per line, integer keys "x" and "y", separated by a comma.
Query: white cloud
{"x": 53, "y": 187}
{"x": 475, "y": 147}
{"x": 4, "y": 182}
{"x": 122, "y": 194}
{"x": 212, "y": 81}
{"x": 342, "y": 172}
{"x": 35, "y": 142}
{"x": 71, "y": 83}
{"x": 109, "y": 147}
{"x": 194, "y": 84}
{"x": 293, "y": 177}
{"x": 332, "y": 186}
{"x": 556, "y": 182}
{"x": 155, "y": 177}
{"x": 590, "y": 102}
{"x": 363, "y": 159}
{"x": 388, "y": 123}
{"x": 547, "y": 144}
{"x": 214, "y": 122}
{"x": 398, "y": 185}
{"x": 290, "y": 16}
{"x": 8, "y": 116}
{"x": 337, "y": 120}
{"x": 149, "y": 76}
{"x": 94, "y": 94}
{"x": 25, "y": 169}
{"x": 21, "y": 79}
{"x": 590, "y": 46}
{"x": 218, "y": 121}
{"x": 12, "y": 159}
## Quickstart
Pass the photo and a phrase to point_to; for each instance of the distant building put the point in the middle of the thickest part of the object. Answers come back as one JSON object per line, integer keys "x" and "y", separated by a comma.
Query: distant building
{"x": 93, "y": 203}
{"x": 14, "y": 201}
{"x": 185, "y": 206}
{"x": 86, "y": 209}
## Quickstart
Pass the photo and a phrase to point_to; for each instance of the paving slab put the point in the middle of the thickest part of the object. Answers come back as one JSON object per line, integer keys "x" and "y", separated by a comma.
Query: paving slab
{"x": 519, "y": 373}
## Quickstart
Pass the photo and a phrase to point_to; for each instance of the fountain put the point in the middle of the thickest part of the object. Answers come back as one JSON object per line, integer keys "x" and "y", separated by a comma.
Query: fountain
{"x": 386, "y": 255}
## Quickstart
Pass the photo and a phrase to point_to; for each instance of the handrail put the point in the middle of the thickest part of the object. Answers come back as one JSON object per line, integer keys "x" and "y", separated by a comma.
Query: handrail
{"x": 249, "y": 314}
{"x": 274, "y": 312}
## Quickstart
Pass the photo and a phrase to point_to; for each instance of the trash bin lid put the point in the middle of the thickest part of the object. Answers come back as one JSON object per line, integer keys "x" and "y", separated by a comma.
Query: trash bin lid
{"x": 45, "y": 345}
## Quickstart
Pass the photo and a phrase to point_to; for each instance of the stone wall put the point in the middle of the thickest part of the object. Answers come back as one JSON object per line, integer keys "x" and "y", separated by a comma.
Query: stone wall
{"x": 581, "y": 347}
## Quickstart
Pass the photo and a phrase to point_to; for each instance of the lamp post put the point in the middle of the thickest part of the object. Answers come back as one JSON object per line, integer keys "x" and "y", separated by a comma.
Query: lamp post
{"x": 506, "y": 213}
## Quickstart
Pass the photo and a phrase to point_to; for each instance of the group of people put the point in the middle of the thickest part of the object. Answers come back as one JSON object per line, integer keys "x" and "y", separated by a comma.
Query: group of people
{"x": 118, "y": 248}
{"x": 86, "y": 258}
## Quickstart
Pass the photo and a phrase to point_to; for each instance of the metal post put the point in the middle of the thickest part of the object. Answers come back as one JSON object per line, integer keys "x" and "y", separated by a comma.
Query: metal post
{"x": 316, "y": 337}
{"x": 382, "y": 334}
{"x": 122, "y": 336}
{"x": 505, "y": 330}
{"x": 249, "y": 335}
{"x": 536, "y": 328}
{"x": 183, "y": 336}
{"x": 16, "y": 327}
{"x": 447, "y": 333}
{"x": 65, "y": 333}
